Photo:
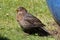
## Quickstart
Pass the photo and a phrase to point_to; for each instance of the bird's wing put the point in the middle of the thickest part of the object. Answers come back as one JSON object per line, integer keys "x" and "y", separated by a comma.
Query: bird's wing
{"x": 33, "y": 20}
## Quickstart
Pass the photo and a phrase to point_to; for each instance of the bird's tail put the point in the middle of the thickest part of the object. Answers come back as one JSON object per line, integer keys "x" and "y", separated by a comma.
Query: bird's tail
{"x": 43, "y": 32}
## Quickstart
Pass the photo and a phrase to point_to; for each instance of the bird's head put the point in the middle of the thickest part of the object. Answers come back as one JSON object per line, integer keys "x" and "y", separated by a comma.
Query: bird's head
{"x": 21, "y": 10}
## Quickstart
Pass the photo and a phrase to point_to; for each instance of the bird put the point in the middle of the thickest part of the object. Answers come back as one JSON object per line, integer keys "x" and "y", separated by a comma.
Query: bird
{"x": 29, "y": 23}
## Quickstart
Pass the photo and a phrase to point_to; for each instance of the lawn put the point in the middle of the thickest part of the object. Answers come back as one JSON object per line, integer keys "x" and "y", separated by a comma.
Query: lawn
{"x": 10, "y": 29}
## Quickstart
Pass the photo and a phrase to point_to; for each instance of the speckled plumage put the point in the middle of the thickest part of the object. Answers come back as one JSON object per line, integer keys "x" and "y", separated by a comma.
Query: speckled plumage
{"x": 28, "y": 22}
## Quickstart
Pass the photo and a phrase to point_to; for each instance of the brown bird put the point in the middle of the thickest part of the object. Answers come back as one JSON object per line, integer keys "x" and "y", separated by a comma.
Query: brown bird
{"x": 29, "y": 23}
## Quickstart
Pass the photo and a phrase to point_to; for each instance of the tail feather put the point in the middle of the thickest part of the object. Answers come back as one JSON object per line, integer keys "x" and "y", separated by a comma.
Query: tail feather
{"x": 43, "y": 32}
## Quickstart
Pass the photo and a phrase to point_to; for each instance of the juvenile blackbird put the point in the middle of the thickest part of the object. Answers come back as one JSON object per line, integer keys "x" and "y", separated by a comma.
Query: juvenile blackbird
{"x": 29, "y": 23}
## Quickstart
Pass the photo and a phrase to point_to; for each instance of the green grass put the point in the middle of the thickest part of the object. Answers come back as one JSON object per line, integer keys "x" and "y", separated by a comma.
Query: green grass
{"x": 10, "y": 28}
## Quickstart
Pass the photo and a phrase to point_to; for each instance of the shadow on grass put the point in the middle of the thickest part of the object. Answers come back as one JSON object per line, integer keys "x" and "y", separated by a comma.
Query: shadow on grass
{"x": 4, "y": 38}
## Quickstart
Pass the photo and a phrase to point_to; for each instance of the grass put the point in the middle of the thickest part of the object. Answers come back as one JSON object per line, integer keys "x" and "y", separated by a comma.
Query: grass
{"x": 8, "y": 25}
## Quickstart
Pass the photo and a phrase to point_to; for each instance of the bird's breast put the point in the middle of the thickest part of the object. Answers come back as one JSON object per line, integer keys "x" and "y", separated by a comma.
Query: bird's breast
{"x": 19, "y": 17}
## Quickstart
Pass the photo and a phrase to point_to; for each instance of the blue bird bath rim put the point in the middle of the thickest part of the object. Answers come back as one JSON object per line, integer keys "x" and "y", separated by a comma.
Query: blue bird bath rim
{"x": 54, "y": 6}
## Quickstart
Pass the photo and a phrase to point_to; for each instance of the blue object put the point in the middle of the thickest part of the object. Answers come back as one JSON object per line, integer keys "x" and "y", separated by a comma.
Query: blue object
{"x": 54, "y": 6}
